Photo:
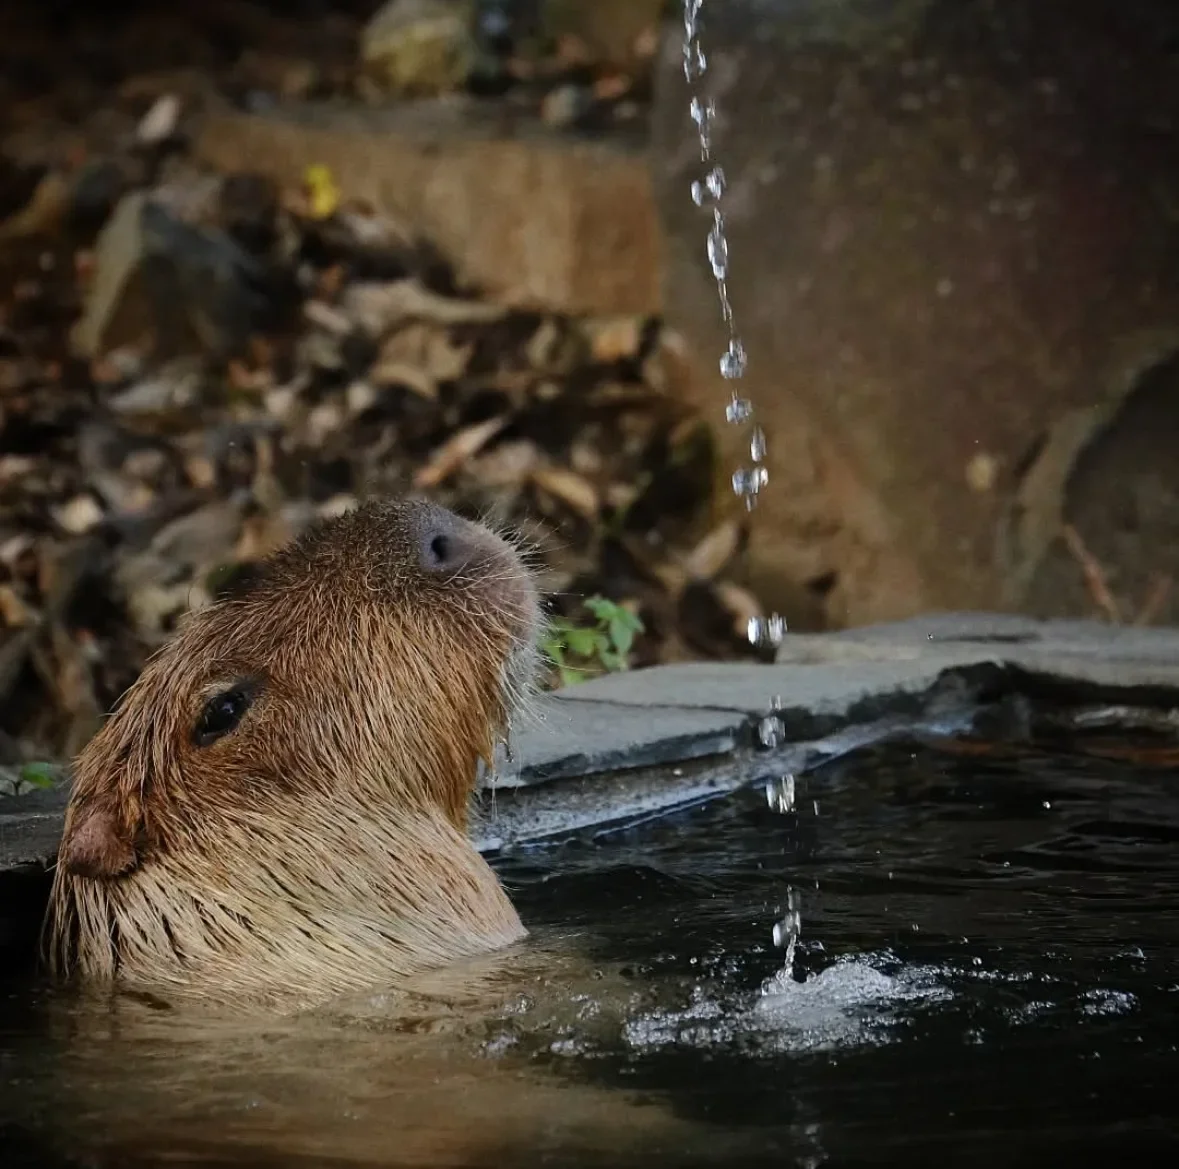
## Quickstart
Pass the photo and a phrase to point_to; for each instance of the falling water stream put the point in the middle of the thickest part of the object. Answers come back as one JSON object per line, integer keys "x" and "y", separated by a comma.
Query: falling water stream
{"x": 748, "y": 480}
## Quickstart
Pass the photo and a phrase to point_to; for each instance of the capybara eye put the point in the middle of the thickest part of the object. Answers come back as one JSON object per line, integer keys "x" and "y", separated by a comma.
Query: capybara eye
{"x": 221, "y": 715}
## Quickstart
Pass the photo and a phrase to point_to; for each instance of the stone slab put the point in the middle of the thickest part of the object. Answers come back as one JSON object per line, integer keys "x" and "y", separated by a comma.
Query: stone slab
{"x": 565, "y": 737}
{"x": 649, "y": 739}
{"x": 822, "y": 689}
{"x": 1082, "y": 652}
{"x": 534, "y": 218}
{"x": 30, "y": 827}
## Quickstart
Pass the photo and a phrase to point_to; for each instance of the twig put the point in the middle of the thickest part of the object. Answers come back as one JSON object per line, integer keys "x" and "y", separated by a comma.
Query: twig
{"x": 1156, "y": 598}
{"x": 1094, "y": 575}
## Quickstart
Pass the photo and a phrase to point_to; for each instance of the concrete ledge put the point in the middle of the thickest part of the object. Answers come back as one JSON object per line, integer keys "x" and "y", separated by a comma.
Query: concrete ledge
{"x": 635, "y": 744}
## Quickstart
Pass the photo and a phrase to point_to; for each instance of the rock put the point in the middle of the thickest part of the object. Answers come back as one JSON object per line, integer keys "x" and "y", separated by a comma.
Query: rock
{"x": 248, "y": 209}
{"x": 529, "y": 217}
{"x": 192, "y": 289}
{"x": 950, "y": 284}
{"x": 609, "y": 32}
{"x": 97, "y": 188}
{"x": 420, "y": 47}
{"x": 566, "y": 104}
{"x": 48, "y": 205}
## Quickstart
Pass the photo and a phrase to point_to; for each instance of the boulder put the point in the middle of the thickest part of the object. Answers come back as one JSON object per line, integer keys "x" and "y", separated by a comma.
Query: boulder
{"x": 532, "y": 218}
{"x": 416, "y": 47}
{"x": 952, "y": 260}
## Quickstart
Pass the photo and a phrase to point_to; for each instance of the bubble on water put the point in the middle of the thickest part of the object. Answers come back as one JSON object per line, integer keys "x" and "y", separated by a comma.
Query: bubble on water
{"x": 770, "y": 731}
{"x": 732, "y": 365}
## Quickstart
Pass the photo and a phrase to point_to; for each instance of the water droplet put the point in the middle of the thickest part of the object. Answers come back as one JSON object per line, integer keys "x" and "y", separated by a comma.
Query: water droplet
{"x": 711, "y": 187}
{"x": 766, "y": 631}
{"x": 757, "y": 445}
{"x": 732, "y": 365}
{"x": 718, "y": 247}
{"x": 702, "y": 114}
{"x": 780, "y": 794}
{"x": 739, "y": 409}
{"x": 770, "y": 731}
{"x": 748, "y": 481}
{"x": 787, "y": 930}
{"x": 695, "y": 63}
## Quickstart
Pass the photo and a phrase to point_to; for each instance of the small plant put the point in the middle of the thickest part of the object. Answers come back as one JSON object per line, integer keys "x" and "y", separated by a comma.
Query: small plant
{"x": 580, "y": 650}
{"x": 15, "y": 781}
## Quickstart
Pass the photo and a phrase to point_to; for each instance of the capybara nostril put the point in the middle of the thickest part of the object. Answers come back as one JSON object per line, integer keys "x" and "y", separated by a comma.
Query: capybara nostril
{"x": 446, "y": 542}
{"x": 440, "y": 553}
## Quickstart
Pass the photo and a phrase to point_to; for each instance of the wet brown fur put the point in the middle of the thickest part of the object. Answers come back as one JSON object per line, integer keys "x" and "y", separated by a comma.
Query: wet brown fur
{"x": 321, "y": 847}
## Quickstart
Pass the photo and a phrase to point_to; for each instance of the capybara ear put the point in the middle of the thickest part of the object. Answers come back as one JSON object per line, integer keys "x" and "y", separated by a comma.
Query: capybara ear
{"x": 96, "y": 843}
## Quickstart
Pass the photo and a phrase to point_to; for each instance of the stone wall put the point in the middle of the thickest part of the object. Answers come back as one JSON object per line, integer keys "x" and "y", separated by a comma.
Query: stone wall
{"x": 953, "y": 256}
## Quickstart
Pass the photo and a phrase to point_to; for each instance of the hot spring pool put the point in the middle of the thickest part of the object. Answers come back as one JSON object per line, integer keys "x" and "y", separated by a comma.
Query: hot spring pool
{"x": 989, "y": 965}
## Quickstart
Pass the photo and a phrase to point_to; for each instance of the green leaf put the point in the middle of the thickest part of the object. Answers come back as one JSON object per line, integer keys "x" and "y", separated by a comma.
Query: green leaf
{"x": 601, "y": 608}
{"x": 41, "y": 775}
{"x": 584, "y": 642}
{"x": 622, "y": 634}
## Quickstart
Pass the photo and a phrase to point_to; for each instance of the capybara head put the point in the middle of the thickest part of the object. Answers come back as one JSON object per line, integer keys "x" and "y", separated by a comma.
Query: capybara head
{"x": 276, "y": 810}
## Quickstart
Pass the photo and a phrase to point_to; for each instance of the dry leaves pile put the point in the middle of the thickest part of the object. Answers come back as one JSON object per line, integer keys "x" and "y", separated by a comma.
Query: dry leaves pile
{"x": 328, "y": 357}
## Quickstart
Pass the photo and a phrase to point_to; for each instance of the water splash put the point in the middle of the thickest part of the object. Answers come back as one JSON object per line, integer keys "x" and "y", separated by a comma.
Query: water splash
{"x": 708, "y": 191}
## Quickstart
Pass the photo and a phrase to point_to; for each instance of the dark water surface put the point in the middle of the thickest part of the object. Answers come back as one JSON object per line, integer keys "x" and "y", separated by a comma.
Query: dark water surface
{"x": 990, "y": 976}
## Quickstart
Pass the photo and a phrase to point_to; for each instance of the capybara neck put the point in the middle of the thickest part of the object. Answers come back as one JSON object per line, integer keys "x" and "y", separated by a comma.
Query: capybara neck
{"x": 276, "y": 811}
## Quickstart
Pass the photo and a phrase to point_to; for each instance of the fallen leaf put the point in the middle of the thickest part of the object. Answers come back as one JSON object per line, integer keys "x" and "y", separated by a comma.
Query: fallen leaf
{"x": 456, "y": 451}
{"x": 570, "y": 488}
{"x": 79, "y": 514}
{"x": 160, "y": 122}
{"x": 323, "y": 196}
{"x": 713, "y": 553}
